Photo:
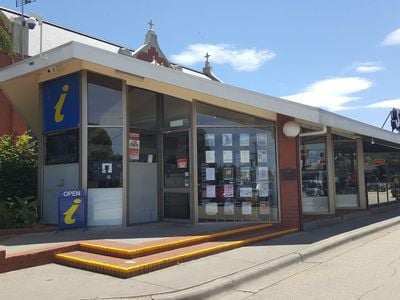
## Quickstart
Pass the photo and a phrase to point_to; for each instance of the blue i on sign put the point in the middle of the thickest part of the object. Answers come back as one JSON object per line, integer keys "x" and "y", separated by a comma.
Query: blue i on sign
{"x": 72, "y": 209}
{"x": 61, "y": 98}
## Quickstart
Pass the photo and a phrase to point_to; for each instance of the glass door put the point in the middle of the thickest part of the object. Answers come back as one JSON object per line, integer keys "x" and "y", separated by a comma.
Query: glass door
{"x": 176, "y": 175}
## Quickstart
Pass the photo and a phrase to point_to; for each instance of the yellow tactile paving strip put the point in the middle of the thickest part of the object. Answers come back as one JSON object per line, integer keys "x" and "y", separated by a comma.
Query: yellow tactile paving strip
{"x": 126, "y": 250}
{"x": 122, "y": 268}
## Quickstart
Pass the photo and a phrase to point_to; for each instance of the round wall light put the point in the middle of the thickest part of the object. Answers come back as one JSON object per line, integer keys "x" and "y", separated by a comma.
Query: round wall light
{"x": 291, "y": 129}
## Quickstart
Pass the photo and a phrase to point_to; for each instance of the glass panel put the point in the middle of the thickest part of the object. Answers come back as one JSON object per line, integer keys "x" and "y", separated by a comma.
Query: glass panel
{"x": 62, "y": 148}
{"x": 142, "y": 106}
{"x": 176, "y": 205}
{"x": 314, "y": 175}
{"x": 212, "y": 115}
{"x": 382, "y": 173}
{"x": 176, "y": 159}
{"x": 104, "y": 157}
{"x": 345, "y": 160}
{"x": 176, "y": 112}
{"x": 143, "y": 146}
{"x": 237, "y": 174}
{"x": 104, "y": 100}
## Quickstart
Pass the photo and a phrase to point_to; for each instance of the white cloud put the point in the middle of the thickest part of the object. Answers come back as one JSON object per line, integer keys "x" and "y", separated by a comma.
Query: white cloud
{"x": 239, "y": 59}
{"x": 385, "y": 104}
{"x": 392, "y": 38}
{"x": 331, "y": 94}
{"x": 368, "y": 67}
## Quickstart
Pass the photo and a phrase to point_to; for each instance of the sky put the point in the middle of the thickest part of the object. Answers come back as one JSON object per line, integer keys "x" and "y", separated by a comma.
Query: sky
{"x": 342, "y": 55}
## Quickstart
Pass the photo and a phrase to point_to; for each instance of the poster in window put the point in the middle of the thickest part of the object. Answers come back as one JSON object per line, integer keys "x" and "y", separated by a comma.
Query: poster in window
{"x": 210, "y": 139}
{"x": 210, "y": 191}
{"x": 262, "y": 156}
{"x": 246, "y": 192}
{"x": 227, "y": 139}
{"x": 210, "y": 157}
{"x": 264, "y": 208}
{"x": 262, "y": 173}
{"x": 261, "y": 139}
{"x": 210, "y": 173}
{"x": 134, "y": 146}
{"x": 246, "y": 208}
{"x": 229, "y": 208}
{"x": 211, "y": 208}
{"x": 263, "y": 189}
{"x": 181, "y": 163}
{"x": 228, "y": 190}
{"x": 244, "y": 156}
{"x": 245, "y": 173}
{"x": 228, "y": 173}
{"x": 244, "y": 139}
{"x": 227, "y": 156}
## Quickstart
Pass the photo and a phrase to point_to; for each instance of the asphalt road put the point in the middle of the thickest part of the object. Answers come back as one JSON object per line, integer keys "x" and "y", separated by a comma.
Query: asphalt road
{"x": 365, "y": 269}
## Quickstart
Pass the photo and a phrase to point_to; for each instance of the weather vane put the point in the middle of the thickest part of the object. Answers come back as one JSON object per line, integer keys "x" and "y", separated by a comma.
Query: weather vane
{"x": 151, "y": 24}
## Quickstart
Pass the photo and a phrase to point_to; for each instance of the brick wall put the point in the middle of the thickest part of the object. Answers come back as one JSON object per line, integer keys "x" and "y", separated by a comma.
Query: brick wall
{"x": 288, "y": 162}
{"x": 10, "y": 120}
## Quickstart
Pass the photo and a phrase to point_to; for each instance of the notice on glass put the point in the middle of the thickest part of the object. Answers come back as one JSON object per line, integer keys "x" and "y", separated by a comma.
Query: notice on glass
{"x": 244, "y": 156}
{"x": 210, "y": 191}
{"x": 210, "y": 157}
{"x": 228, "y": 173}
{"x": 229, "y": 209}
{"x": 264, "y": 208}
{"x": 262, "y": 156}
{"x": 244, "y": 139}
{"x": 261, "y": 139}
{"x": 263, "y": 189}
{"x": 228, "y": 190}
{"x": 211, "y": 208}
{"x": 210, "y": 139}
{"x": 210, "y": 173}
{"x": 245, "y": 173}
{"x": 134, "y": 146}
{"x": 227, "y": 139}
{"x": 246, "y": 192}
{"x": 262, "y": 173}
{"x": 227, "y": 156}
{"x": 246, "y": 208}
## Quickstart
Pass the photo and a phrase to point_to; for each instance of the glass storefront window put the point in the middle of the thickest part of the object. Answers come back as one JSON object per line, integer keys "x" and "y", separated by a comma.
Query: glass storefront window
{"x": 346, "y": 176}
{"x": 143, "y": 146}
{"x": 176, "y": 159}
{"x": 142, "y": 109}
{"x": 314, "y": 175}
{"x": 176, "y": 112}
{"x": 62, "y": 147}
{"x": 104, "y": 157}
{"x": 237, "y": 172}
{"x": 104, "y": 100}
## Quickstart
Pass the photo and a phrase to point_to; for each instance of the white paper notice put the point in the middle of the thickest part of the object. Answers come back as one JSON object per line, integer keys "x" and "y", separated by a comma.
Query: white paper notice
{"x": 246, "y": 192}
{"x": 227, "y": 156}
{"x": 210, "y": 157}
{"x": 244, "y": 139}
{"x": 228, "y": 190}
{"x": 244, "y": 156}
{"x": 210, "y": 173}
{"x": 211, "y": 208}
{"x": 262, "y": 173}
{"x": 246, "y": 208}
{"x": 229, "y": 209}
{"x": 210, "y": 191}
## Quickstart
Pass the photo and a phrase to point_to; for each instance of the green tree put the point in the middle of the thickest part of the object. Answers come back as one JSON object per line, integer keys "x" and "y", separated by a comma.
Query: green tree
{"x": 18, "y": 166}
{"x": 6, "y": 42}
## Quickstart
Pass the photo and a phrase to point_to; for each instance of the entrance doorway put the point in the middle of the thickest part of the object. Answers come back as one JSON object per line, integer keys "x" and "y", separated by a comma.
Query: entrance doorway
{"x": 176, "y": 176}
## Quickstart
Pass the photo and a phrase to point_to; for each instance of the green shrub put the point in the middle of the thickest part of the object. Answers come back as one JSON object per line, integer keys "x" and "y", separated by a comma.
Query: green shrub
{"x": 18, "y": 212}
{"x": 18, "y": 166}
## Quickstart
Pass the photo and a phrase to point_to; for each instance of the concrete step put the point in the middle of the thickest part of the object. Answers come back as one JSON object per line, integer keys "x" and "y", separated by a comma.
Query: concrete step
{"x": 127, "y": 250}
{"x": 124, "y": 268}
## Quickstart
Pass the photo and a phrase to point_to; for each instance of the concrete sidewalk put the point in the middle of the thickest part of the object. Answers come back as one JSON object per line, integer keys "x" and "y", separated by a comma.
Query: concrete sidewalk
{"x": 195, "y": 279}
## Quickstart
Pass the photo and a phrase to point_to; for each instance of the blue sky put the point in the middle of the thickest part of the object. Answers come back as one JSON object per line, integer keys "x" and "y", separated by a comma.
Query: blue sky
{"x": 343, "y": 55}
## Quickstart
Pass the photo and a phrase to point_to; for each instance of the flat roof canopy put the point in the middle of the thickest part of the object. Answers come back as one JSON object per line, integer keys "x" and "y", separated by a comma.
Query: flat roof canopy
{"x": 20, "y": 83}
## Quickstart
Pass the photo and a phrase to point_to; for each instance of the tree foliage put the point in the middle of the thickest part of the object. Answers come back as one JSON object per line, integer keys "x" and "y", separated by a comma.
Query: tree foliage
{"x": 6, "y": 42}
{"x": 18, "y": 166}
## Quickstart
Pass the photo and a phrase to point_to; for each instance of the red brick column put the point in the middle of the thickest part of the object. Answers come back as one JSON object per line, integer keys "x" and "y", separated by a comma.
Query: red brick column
{"x": 289, "y": 183}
